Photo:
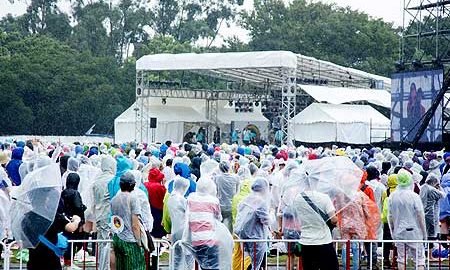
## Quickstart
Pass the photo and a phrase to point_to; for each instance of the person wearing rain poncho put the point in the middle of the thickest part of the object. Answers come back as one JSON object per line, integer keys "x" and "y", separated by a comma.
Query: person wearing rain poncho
{"x": 407, "y": 221}
{"x": 12, "y": 168}
{"x": 431, "y": 194}
{"x": 252, "y": 221}
{"x": 101, "y": 208}
{"x": 444, "y": 208}
{"x": 125, "y": 209}
{"x": 227, "y": 187}
{"x": 245, "y": 189}
{"x": 156, "y": 191}
{"x": 177, "y": 209}
{"x": 37, "y": 213}
{"x": 391, "y": 186}
{"x": 359, "y": 219}
{"x": 289, "y": 223}
{"x": 317, "y": 247}
{"x": 72, "y": 167}
{"x": 123, "y": 165}
{"x": 208, "y": 239}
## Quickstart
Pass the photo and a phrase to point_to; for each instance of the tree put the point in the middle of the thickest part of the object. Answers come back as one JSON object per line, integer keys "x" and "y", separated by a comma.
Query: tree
{"x": 57, "y": 90}
{"x": 325, "y": 31}
{"x": 43, "y": 17}
{"x": 190, "y": 20}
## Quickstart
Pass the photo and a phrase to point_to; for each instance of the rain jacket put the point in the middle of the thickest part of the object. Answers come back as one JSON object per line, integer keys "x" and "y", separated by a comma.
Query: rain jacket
{"x": 123, "y": 165}
{"x": 12, "y": 168}
{"x": 359, "y": 219}
{"x": 155, "y": 188}
{"x": 144, "y": 204}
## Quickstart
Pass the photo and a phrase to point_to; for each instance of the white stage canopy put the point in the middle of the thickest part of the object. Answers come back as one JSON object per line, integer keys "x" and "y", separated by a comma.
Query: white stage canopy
{"x": 355, "y": 124}
{"x": 340, "y": 95}
{"x": 260, "y": 67}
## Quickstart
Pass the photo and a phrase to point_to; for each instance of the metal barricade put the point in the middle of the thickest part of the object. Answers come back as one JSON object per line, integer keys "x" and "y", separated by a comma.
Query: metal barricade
{"x": 84, "y": 263}
{"x": 280, "y": 262}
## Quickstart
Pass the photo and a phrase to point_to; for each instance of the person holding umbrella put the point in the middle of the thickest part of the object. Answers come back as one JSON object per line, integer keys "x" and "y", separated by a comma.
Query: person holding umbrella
{"x": 327, "y": 179}
{"x": 37, "y": 217}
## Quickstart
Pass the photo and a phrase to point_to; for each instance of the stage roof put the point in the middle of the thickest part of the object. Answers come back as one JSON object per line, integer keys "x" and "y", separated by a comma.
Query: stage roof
{"x": 262, "y": 67}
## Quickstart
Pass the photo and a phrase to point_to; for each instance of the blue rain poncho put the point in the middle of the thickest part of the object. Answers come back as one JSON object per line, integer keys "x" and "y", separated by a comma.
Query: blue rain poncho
{"x": 444, "y": 209}
{"x": 123, "y": 165}
{"x": 12, "y": 168}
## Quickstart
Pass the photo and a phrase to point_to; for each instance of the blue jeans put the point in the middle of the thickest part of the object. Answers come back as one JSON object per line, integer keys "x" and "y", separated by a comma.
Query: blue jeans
{"x": 355, "y": 251}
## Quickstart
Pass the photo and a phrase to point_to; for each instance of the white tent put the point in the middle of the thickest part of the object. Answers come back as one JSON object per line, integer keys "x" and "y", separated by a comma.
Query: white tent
{"x": 340, "y": 95}
{"x": 171, "y": 122}
{"x": 173, "y": 116}
{"x": 356, "y": 124}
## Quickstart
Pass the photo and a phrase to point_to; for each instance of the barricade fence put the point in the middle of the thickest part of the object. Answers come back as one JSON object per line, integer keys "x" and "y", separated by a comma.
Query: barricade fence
{"x": 407, "y": 254}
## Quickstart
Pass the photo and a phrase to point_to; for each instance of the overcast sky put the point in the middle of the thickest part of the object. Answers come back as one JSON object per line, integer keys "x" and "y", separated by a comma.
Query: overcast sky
{"x": 389, "y": 10}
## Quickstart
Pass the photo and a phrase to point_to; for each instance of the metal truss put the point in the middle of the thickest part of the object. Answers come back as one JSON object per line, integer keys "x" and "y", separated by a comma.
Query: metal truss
{"x": 288, "y": 104}
{"x": 426, "y": 31}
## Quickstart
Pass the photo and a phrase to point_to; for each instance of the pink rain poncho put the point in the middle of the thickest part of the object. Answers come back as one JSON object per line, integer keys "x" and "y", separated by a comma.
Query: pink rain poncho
{"x": 204, "y": 235}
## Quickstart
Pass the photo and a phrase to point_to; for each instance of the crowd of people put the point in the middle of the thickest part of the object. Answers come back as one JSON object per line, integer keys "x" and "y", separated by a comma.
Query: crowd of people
{"x": 202, "y": 196}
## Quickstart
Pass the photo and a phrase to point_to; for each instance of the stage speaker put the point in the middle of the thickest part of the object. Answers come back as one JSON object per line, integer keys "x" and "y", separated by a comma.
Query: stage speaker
{"x": 152, "y": 122}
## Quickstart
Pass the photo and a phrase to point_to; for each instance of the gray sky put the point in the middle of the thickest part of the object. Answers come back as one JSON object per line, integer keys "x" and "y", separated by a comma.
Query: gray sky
{"x": 389, "y": 10}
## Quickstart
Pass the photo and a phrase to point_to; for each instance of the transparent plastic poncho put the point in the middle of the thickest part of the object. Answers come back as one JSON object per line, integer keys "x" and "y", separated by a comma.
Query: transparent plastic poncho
{"x": 209, "y": 167}
{"x": 34, "y": 204}
{"x": 204, "y": 236}
{"x": 88, "y": 174}
{"x": 253, "y": 219}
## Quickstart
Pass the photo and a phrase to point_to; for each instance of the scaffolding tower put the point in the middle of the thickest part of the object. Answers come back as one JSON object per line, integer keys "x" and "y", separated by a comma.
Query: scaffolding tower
{"x": 425, "y": 44}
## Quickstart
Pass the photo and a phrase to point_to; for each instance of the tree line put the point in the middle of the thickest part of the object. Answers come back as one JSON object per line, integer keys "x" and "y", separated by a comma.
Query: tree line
{"x": 62, "y": 72}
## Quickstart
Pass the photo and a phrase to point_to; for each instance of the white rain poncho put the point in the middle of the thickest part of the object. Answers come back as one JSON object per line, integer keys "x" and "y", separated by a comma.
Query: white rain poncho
{"x": 431, "y": 196}
{"x": 144, "y": 203}
{"x": 34, "y": 204}
{"x": 88, "y": 174}
{"x": 227, "y": 186}
{"x": 253, "y": 219}
{"x": 177, "y": 205}
{"x": 72, "y": 166}
{"x": 205, "y": 236}
{"x": 405, "y": 211}
{"x": 209, "y": 167}
{"x": 5, "y": 205}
